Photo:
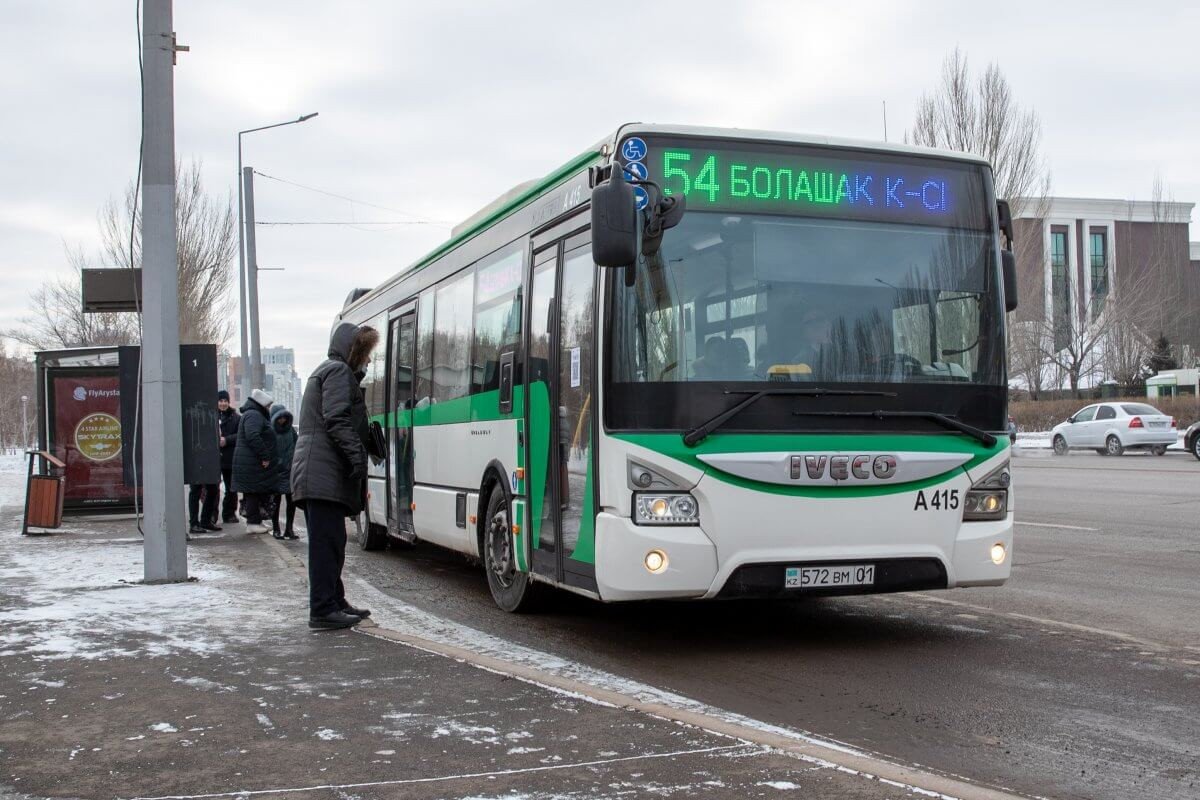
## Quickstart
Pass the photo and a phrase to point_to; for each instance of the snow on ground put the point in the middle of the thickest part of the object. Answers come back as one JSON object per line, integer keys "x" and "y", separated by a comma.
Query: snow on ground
{"x": 63, "y": 596}
{"x": 12, "y": 481}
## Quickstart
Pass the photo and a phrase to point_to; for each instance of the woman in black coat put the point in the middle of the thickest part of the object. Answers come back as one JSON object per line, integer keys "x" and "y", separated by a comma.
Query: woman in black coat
{"x": 285, "y": 440}
{"x": 329, "y": 469}
{"x": 255, "y": 460}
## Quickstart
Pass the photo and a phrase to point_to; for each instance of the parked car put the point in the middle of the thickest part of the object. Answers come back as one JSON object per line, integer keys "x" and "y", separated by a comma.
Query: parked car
{"x": 1112, "y": 428}
{"x": 1191, "y": 439}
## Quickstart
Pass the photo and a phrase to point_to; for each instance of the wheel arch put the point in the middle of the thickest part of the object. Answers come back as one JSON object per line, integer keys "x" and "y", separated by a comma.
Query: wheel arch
{"x": 494, "y": 474}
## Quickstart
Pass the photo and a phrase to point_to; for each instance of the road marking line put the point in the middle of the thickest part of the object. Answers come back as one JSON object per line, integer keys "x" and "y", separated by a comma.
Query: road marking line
{"x": 1074, "y": 626}
{"x": 1054, "y": 525}
{"x": 439, "y": 778}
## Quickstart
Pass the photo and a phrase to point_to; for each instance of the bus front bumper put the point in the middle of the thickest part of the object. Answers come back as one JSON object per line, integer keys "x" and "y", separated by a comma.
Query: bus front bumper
{"x": 693, "y": 570}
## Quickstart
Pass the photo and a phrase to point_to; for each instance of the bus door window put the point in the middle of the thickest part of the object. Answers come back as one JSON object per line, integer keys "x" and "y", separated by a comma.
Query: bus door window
{"x": 542, "y": 424}
{"x": 576, "y": 398}
{"x": 403, "y": 350}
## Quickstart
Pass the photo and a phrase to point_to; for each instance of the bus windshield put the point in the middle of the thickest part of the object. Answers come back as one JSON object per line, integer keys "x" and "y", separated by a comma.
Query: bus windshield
{"x": 756, "y": 298}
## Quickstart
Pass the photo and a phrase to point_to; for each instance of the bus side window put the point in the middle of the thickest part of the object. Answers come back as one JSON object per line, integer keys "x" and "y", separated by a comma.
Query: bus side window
{"x": 497, "y": 320}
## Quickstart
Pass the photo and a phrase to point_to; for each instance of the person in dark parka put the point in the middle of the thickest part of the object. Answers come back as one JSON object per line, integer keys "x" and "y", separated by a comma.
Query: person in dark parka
{"x": 329, "y": 469}
{"x": 255, "y": 460}
{"x": 228, "y": 419}
{"x": 285, "y": 443}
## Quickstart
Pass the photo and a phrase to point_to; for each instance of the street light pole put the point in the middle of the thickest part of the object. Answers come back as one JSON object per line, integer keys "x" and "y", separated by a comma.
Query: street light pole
{"x": 25, "y": 420}
{"x": 246, "y": 368}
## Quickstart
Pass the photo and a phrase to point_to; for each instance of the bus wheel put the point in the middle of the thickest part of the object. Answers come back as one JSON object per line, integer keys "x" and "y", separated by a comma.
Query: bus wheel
{"x": 370, "y": 537}
{"x": 511, "y": 589}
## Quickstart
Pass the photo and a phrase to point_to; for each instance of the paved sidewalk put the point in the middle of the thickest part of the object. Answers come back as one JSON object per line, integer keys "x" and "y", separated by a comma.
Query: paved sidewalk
{"x": 216, "y": 688}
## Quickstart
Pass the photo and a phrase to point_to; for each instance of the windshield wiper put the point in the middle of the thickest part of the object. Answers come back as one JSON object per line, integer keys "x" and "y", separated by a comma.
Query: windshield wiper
{"x": 699, "y": 433}
{"x": 946, "y": 422}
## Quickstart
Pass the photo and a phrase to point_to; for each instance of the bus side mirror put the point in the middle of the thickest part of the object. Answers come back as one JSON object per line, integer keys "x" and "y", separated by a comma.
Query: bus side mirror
{"x": 1009, "y": 262}
{"x": 614, "y": 222}
{"x": 1004, "y": 218}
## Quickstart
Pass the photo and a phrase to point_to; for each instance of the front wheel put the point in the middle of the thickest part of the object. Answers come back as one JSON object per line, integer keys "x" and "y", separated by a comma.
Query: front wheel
{"x": 1113, "y": 445}
{"x": 368, "y": 535}
{"x": 1196, "y": 447}
{"x": 512, "y": 589}
{"x": 1060, "y": 446}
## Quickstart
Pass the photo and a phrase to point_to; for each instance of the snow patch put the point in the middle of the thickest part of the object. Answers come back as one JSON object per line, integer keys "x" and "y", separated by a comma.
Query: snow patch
{"x": 328, "y": 735}
{"x": 164, "y": 727}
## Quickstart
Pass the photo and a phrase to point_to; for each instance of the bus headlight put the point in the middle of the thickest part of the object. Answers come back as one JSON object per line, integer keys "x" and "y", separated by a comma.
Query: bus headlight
{"x": 665, "y": 509}
{"x": 988, "y": 498}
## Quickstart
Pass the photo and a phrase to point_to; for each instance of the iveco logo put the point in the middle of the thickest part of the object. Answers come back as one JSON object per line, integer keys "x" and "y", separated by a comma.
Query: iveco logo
{"x": 843, "y": 468}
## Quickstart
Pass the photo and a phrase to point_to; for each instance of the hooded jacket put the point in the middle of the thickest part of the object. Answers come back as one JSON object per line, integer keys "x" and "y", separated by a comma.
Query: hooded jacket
{"x": 255, "y": 444}
{"x": 285, "y": 445}
{"x": 330, "y": 462}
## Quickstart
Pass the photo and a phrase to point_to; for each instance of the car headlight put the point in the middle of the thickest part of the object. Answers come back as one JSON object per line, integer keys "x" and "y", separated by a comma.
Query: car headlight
{"x": 988, "y": 498}
{"x": 665, "y": 509}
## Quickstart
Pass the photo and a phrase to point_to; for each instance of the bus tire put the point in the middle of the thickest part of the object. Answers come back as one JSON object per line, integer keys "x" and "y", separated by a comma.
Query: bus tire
{"x": 512, "y": 590}
{"x": 369, "y": 535}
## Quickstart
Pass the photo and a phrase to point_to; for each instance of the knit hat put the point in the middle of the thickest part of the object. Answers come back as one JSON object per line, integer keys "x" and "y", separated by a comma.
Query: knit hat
{"x": 262, "y": 398}
{"x": 223, "y": 395}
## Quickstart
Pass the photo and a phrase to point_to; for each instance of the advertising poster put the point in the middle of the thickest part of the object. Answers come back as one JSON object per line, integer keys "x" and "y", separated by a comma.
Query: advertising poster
{"x": 85, "y": 433}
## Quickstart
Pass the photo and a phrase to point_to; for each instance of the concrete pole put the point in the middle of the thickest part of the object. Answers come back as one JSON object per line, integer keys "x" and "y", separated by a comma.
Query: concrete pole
{"x": 256, "y": 367}
{"x": 245, "y": 382}
{"x": 165, "y": 547}
{"x": 25, "y": 420}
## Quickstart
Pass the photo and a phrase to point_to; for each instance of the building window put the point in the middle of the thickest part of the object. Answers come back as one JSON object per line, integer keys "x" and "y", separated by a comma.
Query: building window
{"x": 1098, "y": 257}
{"x": 1060, "y": 287}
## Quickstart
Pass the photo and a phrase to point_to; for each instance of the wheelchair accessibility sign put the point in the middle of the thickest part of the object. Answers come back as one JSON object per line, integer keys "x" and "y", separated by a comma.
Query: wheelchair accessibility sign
{"x": 634, "y": 149}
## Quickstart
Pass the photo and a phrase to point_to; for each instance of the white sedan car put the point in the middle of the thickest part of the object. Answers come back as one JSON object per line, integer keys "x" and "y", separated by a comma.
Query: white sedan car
{"x": 1112, "y": 428}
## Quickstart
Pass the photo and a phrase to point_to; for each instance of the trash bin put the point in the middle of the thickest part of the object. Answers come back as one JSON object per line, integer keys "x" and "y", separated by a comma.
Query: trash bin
{"x": 43, "y": 495}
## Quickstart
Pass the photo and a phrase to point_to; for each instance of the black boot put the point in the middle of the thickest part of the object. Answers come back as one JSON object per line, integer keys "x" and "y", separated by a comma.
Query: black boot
{"x": 211, "y": 526}
{"x": 195, "y": 527}
{"x": 338, "y": 619}
{"x": 290, "y": 534}
{"x": 358, "y": 612}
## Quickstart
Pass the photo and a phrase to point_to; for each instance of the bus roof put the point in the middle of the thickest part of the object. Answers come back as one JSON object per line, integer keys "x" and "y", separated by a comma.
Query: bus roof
{"x": 525, "y": 192}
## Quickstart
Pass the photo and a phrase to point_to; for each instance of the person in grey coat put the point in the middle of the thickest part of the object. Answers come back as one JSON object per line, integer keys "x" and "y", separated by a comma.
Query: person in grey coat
{"x": 285, "y": 443}
{"x": 256, "y": 460}
{"x": 329, "y": 469}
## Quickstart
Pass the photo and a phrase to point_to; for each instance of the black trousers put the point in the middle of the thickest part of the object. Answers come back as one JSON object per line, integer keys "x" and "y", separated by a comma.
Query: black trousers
{"x": 256, "y": 506}
{"x": 291, "y": 510}
{"x": 198, "y": 515}
{"x": 229, "y": 503}
{"x": 326, "y": 556}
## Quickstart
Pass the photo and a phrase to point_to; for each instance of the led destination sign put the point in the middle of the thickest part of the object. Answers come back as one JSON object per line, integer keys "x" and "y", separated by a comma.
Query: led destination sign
{"x": 811, "y": 181}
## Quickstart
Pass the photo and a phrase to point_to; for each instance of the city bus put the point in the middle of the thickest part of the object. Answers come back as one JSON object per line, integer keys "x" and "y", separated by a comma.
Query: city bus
{"x": 797, "y": 387}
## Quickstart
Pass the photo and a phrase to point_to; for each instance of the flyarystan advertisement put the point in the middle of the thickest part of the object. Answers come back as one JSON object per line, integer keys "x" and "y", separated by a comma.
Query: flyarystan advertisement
{"x": 86, "y": 435}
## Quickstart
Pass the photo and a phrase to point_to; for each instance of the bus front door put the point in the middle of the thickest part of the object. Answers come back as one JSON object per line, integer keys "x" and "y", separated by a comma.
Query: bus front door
{"x": 560, "y": 408}
{"x": 402, "y": 337}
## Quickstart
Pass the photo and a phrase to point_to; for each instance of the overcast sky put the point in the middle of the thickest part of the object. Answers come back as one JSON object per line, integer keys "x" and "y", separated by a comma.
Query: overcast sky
{"x": 433, "y": 109}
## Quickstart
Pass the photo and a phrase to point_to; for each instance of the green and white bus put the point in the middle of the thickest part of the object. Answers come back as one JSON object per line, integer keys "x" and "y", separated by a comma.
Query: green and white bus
{"x": 799, "y": 389}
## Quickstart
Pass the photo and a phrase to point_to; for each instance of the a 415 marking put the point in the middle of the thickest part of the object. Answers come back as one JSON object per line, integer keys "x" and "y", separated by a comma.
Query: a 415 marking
{"x": 937, "y": 500}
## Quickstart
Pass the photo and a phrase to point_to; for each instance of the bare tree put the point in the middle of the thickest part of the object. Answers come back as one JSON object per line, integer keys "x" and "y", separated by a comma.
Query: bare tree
{"x": 207, "y": 236}
{"x": 980, "y": 116}
{"x": 16, "y": 381}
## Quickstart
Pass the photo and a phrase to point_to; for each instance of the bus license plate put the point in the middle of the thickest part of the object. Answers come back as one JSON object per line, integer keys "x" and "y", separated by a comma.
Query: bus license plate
{"x": 824, "y": 577}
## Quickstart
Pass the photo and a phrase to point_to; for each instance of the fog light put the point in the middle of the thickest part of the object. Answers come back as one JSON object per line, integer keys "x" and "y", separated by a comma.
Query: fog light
{"x": 998, "y": 554}
{"x": 656, "y": 562}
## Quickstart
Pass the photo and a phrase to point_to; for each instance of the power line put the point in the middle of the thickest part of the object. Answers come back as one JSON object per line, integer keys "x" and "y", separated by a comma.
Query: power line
{"x": 352, "y": 223}
{"x": 351, "y": 200}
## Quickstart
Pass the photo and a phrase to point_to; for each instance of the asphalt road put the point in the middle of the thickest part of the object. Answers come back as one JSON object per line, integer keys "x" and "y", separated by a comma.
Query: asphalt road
{"x": 1079, "y": 678}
